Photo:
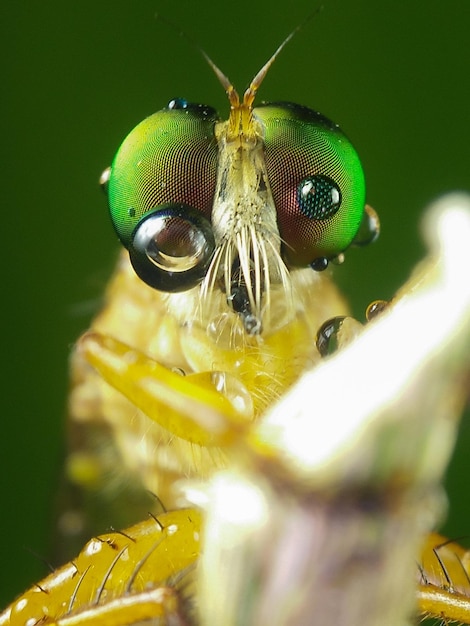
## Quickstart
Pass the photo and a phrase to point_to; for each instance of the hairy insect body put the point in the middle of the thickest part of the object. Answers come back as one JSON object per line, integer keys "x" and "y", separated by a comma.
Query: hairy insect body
{"x": 252, "y": 371}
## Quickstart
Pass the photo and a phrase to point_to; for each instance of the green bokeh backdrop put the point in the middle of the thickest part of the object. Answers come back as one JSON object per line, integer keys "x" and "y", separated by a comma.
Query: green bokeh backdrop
{"x": 77, "y": 76}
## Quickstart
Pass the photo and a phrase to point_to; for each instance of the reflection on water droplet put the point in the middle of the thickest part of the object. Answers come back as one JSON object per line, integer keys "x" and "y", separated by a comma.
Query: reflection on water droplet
{"x": 320, "y": 264}
{"x": 369, "y": 228}
{"x": 336, "y": 333}
{"x": 235, "y": 391}
{"x": 375, "y": 308}
{"x": 227, "y": 331}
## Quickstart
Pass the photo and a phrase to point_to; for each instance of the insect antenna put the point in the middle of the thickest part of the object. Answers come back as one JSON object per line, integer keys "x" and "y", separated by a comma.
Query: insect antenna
{"x": 250, "y": 93}
{"x": 241, "y": 112}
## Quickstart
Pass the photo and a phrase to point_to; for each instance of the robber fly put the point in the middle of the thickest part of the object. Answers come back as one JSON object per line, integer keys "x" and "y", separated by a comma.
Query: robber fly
{"x": 228, "y": 226}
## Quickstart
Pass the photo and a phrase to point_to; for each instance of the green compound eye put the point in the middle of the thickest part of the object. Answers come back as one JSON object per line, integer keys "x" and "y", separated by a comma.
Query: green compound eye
{"x": 160, "y": 192}
{"x": 162, "y": 184}
{"x": 317, "y": 183}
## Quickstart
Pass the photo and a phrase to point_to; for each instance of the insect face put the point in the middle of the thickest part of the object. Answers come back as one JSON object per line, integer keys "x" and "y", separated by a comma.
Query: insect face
{"x": 234, "y": 206}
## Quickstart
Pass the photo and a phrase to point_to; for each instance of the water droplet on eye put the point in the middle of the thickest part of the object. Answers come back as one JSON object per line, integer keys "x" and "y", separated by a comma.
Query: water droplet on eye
{"x": 179, "y": 251}
{"x": 320, "y": 264}
{"x": 318, "y": 197}
{"x": 336, "y": 333}
{"x": 376, "y": 308}
{"x": 369, "y": 228}
{"x": 104, "y": 179}
{"x": 235, "y": 391}
{"x": 177, "y": 104}
{"x": 338, "y": 260}
{"x": 174, "y": 240}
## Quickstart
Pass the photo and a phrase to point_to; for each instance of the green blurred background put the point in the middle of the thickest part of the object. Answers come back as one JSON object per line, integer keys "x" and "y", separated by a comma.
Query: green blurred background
{"x": 77, "y": 76}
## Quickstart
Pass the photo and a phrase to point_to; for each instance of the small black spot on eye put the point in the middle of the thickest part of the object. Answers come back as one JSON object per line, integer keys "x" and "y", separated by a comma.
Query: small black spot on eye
{"x": 131, "y": 211}
{"x": 318, "y": 197}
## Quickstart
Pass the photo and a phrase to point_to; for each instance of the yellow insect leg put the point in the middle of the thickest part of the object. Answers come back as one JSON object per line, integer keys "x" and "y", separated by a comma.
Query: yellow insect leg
{"x": 127, "y": 610}
{"x": 112, "y": 570}
{"x": 444, "y": 583}
{"x": 445, "y": 605}
{"x": 189, "y": 407}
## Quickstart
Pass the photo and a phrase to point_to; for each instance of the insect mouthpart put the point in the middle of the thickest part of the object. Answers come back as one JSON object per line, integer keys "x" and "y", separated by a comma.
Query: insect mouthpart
{"x": 248, "y": 270}
{"x": 239, "y": 300}
{"x": 240, "y": 303}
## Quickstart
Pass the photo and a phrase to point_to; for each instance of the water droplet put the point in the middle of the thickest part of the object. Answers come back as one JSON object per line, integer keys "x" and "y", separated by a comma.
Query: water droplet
{"x": 320, "y": 264}
{"x": 336, "y": 333}
{"x": 104, "y": 179}
{"x": 369, "y": 228}
{"x": 235, "y": 391}
{"x": 375, "y": 308}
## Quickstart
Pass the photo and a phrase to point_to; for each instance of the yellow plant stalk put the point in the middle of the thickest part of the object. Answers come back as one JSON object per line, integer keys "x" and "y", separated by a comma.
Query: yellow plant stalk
{"x": 344, "y": 474}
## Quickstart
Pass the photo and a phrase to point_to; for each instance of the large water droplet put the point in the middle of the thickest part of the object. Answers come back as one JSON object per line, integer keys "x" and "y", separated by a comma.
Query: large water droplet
{"x": 336, "y": 333}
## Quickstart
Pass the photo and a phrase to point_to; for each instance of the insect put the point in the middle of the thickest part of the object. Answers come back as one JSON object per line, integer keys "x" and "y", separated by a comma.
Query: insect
{"x": 216, "y": 223}
{"x": 223, "y": 328}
